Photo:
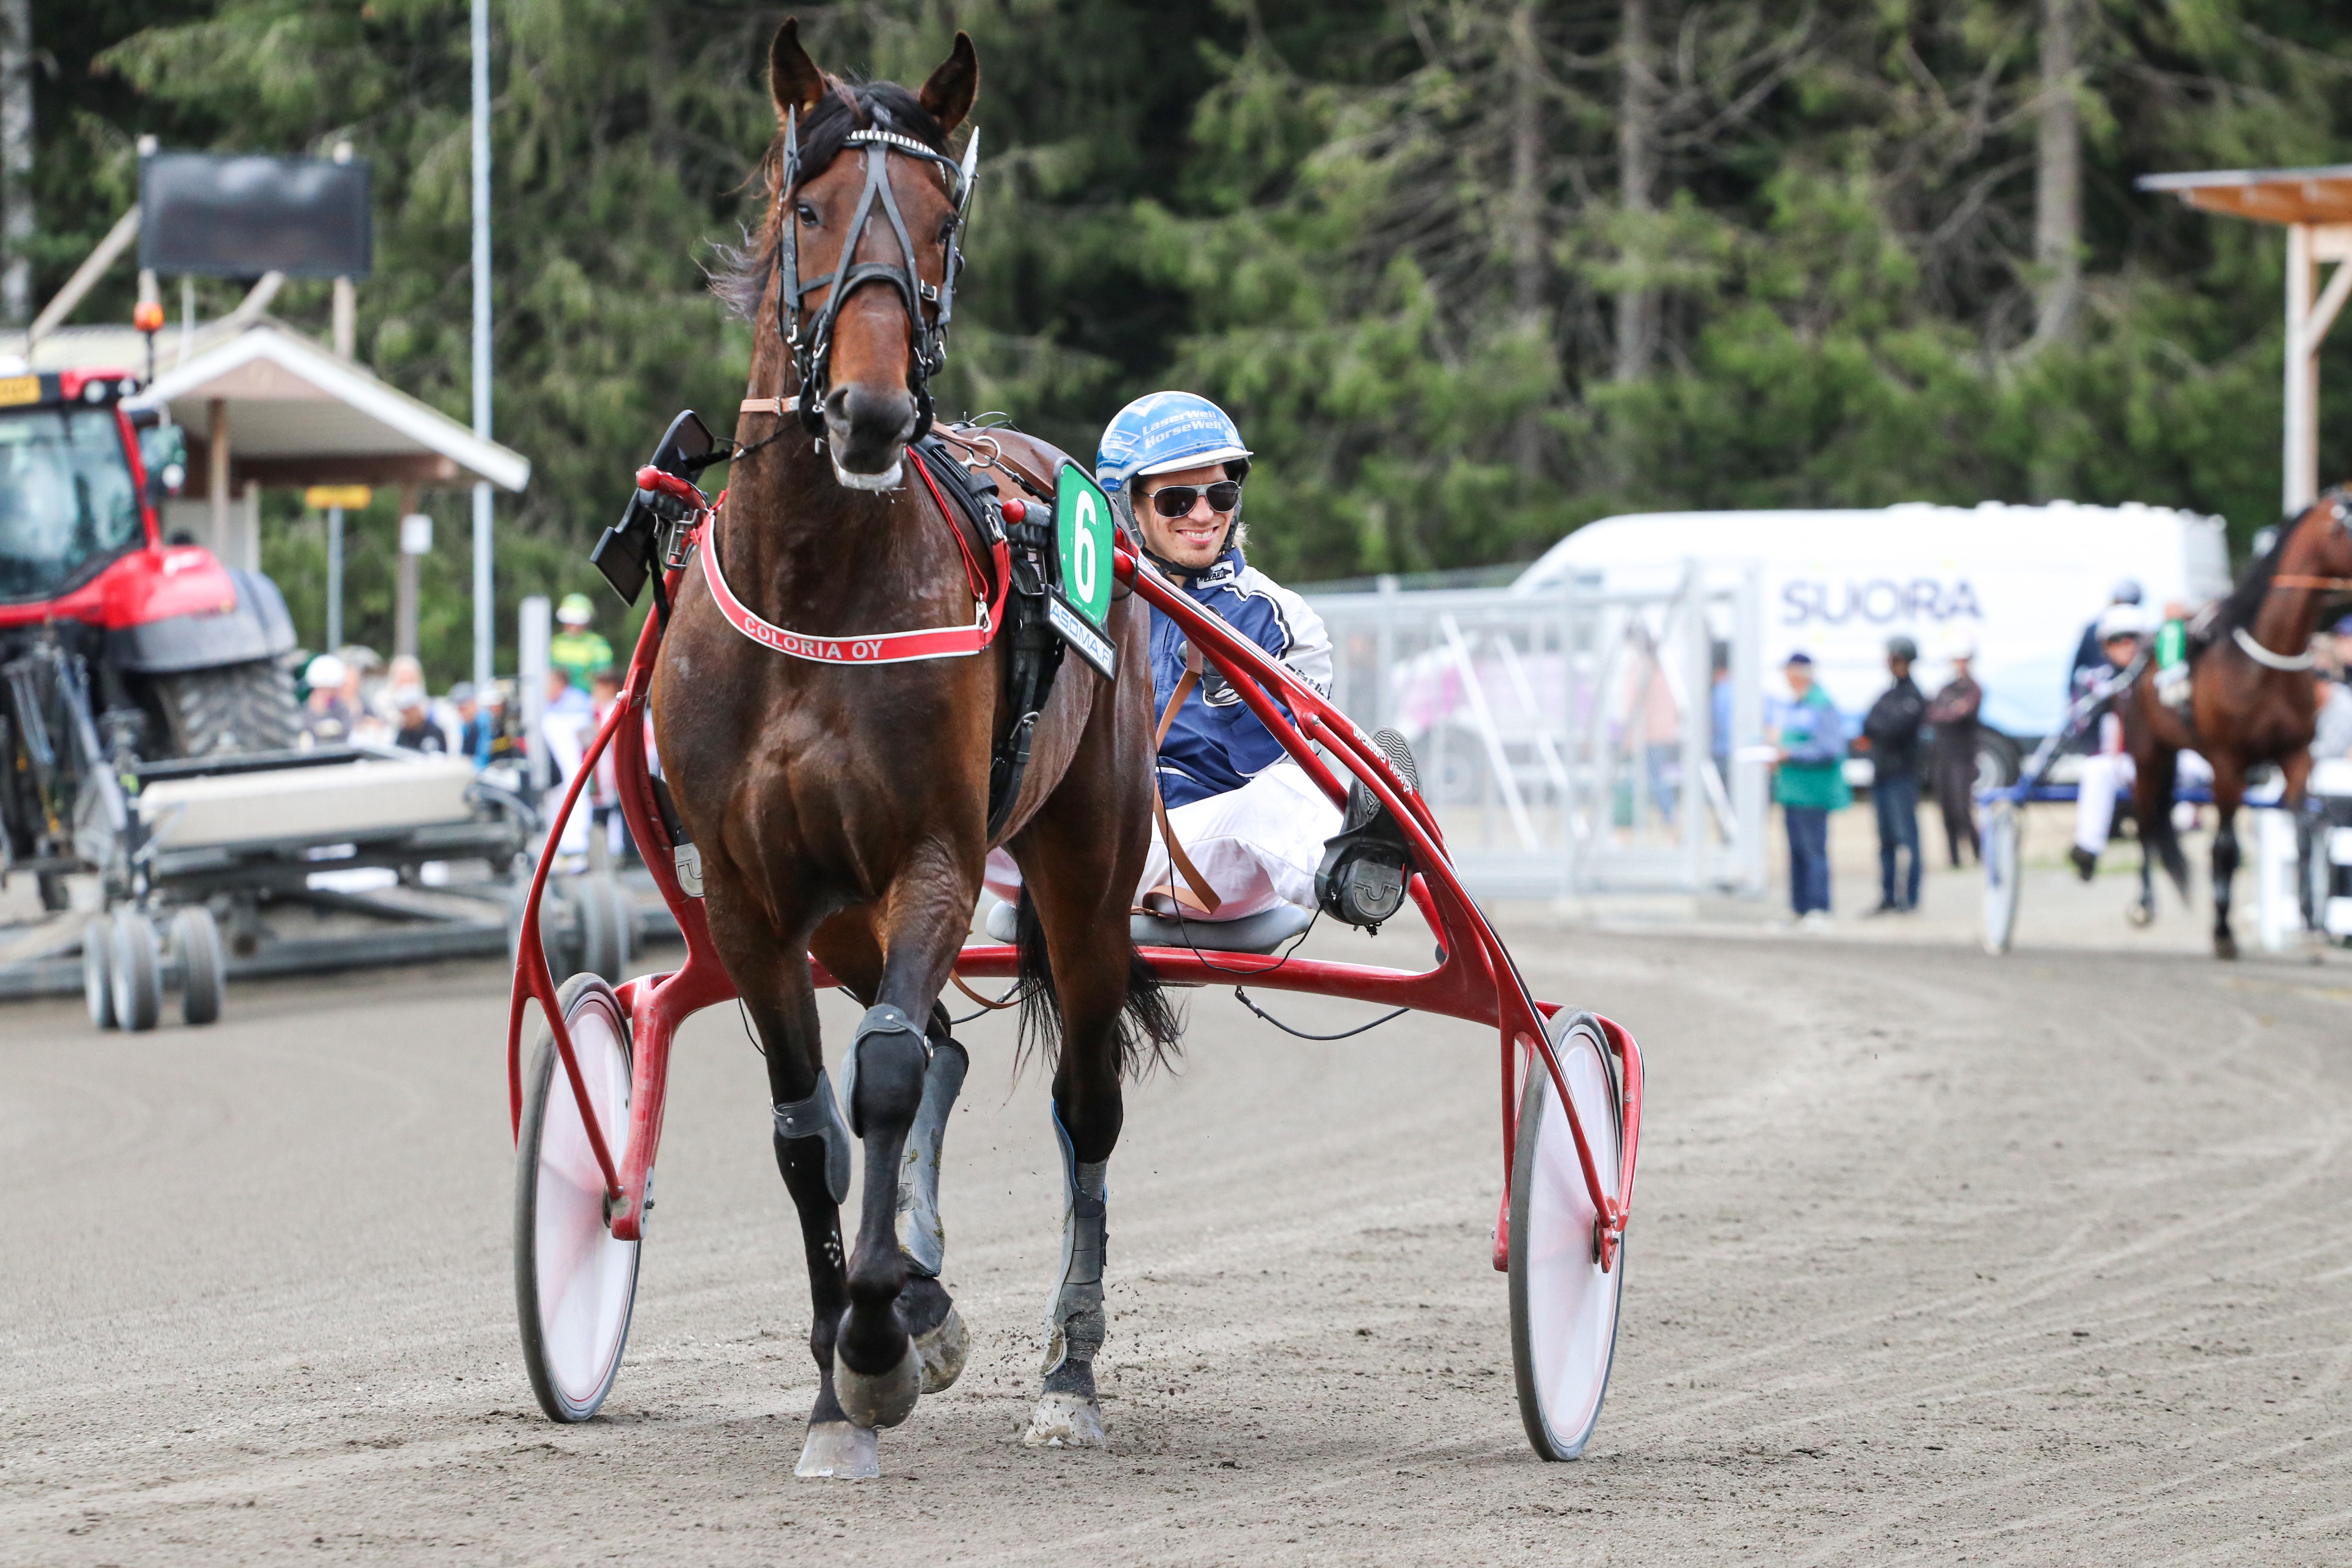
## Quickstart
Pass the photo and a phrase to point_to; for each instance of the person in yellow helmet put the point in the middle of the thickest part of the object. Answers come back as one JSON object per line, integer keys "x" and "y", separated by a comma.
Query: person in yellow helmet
{"x": 576, "y": 650}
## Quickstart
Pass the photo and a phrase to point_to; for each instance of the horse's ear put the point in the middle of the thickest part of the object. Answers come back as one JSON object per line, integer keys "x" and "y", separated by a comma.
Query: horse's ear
{"x": 793, "y": 81}
{"x": 950, "y": 92}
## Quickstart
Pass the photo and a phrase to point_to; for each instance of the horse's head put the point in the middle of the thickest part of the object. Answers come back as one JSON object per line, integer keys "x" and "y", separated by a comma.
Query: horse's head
{"x": 2324, "y": 532}
{"x": 868, "y": 204}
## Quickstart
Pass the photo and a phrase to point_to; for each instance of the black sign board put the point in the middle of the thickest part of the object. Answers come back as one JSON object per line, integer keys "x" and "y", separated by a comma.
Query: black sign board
{"x": 236, "y": 215}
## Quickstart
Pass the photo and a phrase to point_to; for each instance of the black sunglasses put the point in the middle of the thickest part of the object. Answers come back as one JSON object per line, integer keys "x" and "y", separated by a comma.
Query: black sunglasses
{"x": 1175, "y": 500}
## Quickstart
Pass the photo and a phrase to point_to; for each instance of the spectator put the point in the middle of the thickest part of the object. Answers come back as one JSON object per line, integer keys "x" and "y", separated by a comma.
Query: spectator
{"x": 569, "y": 711}
{"x": 1890, "y": 733}
{"x": 1808, "y": 785}
{"x": 476, "y": 726}
{"x": 2342, "y": 645}
{"x": 604, "y": 792}
{"x": 326, "y": 717}
{"x": 416, "y": 730}
{"x": 1953, "y": 760}
{"x": 576, "y": 650}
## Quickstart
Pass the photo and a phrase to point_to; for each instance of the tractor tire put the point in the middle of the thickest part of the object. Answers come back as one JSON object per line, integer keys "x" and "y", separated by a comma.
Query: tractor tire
{"x": 231, "y": 709}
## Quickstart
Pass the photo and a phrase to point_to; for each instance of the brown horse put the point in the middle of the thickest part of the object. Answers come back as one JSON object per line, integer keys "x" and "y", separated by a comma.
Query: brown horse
{"x": 2249, "y": 697}
{"x": 843, "y": 809}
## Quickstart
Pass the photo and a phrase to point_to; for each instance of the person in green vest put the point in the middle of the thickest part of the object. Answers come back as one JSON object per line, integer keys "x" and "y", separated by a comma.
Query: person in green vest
{"x": 1810, "y": 784}
{"x": 575, "y": 651}
{"x": 2171, "y": 658}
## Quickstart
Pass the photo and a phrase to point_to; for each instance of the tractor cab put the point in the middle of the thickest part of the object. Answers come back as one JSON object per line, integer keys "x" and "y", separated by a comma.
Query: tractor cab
{"x": 72, "y": 477}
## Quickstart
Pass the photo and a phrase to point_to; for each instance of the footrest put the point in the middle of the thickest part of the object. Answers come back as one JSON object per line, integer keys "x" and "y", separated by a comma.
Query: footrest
{"x": 1261, "y": 933}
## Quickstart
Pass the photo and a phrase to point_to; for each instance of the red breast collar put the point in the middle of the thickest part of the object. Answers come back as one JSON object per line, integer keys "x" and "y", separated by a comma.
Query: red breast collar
{"x": 872, "y": 648}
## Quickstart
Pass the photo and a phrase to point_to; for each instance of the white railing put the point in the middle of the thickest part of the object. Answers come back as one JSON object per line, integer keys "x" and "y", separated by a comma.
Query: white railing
{"x": 1570, "y": 739}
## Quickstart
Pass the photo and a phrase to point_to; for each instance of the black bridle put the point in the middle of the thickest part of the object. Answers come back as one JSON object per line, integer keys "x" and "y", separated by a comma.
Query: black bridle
{"x": 812, "y": 351}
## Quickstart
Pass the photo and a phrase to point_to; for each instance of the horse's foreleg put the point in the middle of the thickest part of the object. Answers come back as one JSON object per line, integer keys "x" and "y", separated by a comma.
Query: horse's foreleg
{"x": 813, "y": 1152}
{"x": 847, "y": 947}
{"x": 940, "y": 1340}
{"x": 2225, "y": 867}
{"x": 877, "y": 1370}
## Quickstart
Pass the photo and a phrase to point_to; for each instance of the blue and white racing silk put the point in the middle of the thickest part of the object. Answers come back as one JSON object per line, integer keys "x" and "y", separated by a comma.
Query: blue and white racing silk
{"x": 1216, "y": 743}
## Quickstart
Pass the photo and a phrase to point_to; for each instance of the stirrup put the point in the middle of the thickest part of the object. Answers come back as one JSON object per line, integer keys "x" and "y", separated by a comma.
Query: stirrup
{"x": 1368, "y": 864}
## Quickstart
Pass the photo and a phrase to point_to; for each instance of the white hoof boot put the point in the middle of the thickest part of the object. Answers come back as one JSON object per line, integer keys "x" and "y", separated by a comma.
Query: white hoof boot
{"x": 883, "y": 1401}
{"x": 941, "y": 1353}
{"x": 838, "y": 1451}
{"x": 1066, "y": 1421}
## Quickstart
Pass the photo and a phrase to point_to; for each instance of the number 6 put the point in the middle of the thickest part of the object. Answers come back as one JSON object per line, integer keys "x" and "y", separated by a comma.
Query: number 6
{"x": 1082, "y": 553}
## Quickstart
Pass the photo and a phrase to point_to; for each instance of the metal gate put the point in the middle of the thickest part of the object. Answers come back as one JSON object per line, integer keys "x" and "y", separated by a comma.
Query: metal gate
{"x": 1574, "y": 740}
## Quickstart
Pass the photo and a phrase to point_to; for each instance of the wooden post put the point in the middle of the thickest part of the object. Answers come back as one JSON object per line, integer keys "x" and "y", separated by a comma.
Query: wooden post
{"x": 217, "y": 462}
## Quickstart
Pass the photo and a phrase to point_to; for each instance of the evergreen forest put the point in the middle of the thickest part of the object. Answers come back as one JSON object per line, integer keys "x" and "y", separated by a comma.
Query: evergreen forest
{"x": 1469, "y": 273}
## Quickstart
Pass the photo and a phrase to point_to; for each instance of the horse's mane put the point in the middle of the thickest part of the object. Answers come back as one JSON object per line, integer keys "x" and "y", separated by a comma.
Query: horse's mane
{"x": 2246, "y": 597}
{"x": 743, "y": 276}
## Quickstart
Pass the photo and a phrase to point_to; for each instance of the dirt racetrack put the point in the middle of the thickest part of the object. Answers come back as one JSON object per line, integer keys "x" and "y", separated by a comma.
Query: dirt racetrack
{"x": 1934, "y": 1258}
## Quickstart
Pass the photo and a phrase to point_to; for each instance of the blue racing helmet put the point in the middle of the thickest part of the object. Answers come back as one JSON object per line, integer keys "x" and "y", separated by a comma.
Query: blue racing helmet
{"x": 1165, "y": 430}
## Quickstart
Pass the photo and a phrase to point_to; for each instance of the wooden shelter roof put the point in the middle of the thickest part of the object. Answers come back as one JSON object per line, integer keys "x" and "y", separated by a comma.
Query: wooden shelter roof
{"x": 2265, "y": 195}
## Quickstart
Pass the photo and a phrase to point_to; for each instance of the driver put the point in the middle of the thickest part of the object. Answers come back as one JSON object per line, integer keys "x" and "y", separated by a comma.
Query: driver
{"x": 1249, "y": 820}
{"x": 2110, "y": 770}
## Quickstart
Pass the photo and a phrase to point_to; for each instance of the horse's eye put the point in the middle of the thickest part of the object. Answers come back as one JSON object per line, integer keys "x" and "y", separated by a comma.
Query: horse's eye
{"x": 805, "y": 213}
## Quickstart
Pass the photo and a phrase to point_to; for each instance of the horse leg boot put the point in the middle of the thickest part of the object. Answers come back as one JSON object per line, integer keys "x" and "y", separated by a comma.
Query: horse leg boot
{"x": 940, "y": 1340}
{"x": 876, "y": 1372}
{"x": 1067, "y": 1416}
{"x": 812, "y": 1151}
{"x": 2225, "y": 868}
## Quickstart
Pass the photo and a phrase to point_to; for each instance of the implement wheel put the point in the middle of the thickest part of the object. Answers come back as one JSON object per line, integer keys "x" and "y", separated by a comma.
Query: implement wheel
{"x": 203, "y": 964}
{"x": 135, "y": 969}
{"x": 1563, "y": 1307}
{"x": 97, "y": 971}
{"x": 574, "y": 1284}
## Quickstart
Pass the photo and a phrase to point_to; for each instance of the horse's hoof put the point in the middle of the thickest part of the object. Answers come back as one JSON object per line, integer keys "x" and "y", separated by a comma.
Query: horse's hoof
{"x": 2224, "y": 945}
{"x": 883, "y": 1400}
{"x": 1066, "y": 1421}
{"x": 2139, "y": 914}
{"x": 941, "y": 1351}
{"x": 839, "y": 1451}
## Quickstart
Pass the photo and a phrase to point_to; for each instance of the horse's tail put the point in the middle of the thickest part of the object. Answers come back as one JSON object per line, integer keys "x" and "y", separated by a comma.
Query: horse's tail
{"x": 2158, "y": 837}
{"x": 1150, "y": 1032}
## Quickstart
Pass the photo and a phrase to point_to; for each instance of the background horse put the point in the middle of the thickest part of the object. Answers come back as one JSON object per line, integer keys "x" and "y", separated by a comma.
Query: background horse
{"x": 842, "y": 809}
{"x": 2249, "y": 697}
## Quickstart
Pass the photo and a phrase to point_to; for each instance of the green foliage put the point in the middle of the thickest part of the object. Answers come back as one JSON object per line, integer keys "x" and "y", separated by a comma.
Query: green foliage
{"x": 1329, "y": 216}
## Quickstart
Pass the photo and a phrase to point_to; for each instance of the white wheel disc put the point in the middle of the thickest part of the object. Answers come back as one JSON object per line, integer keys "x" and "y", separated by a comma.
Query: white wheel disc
{"x": 574, "y": 1283}
{"x": 1563, "y": 1307}
{"x": 2001, "y": 856}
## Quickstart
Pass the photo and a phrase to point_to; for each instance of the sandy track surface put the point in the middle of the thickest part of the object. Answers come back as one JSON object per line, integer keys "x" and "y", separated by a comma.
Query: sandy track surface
{"x": 1936, "y": 1258}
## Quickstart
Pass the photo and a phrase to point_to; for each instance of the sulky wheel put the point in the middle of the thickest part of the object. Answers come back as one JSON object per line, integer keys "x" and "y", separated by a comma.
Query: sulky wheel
{"x": 1563, "y": 1307}
{"x": 2001, "y": 859}
{"x": 98, "y": 972}
{"x": 574, "y": 1284}
{"x": 135, "y": 968}
{"x": 203, "y": 964}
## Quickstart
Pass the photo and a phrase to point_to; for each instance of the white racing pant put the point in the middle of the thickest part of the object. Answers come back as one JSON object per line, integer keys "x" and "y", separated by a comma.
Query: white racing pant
{"x": 2107, "y": 774}
{"x": 1256, "y": 846}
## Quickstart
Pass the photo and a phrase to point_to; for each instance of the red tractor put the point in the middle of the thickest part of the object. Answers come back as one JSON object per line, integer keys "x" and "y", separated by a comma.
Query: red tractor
{"x": 117, "y": 650}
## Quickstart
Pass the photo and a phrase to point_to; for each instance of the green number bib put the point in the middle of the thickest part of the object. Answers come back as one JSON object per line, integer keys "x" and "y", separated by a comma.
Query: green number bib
{"x": 1083, "y": 532}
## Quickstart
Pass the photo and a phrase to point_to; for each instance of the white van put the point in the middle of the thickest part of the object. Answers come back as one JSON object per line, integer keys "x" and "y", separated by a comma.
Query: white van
{"x": 2020, "y": 582}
